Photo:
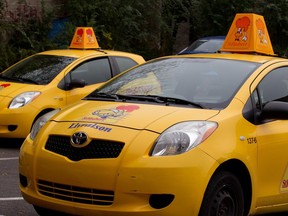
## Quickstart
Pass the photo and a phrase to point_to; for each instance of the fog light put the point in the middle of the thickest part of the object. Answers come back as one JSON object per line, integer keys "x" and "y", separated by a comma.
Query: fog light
{"x": 159, "y": 201}
{"x": 23, "y": 180}
{"x": 12, "y": 127}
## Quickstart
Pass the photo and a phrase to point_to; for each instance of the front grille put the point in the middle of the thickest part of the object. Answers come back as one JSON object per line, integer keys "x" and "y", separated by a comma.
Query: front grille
{"x": 75, "y": 194}
{"x": 95, "y": 149}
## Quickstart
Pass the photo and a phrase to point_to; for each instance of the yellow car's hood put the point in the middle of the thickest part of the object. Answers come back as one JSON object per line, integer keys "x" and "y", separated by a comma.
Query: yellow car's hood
{"x": 131, "y": 115}
{"x": 12, "y": 89}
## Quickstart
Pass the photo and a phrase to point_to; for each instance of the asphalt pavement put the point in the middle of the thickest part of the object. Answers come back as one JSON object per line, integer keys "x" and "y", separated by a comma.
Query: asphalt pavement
{"x": 11, "y": 201}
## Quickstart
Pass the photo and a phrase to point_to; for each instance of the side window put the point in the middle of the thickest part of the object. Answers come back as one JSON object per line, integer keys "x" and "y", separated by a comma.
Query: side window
{"x": 124, "y": 63}
{"x": 92, "y": 71}
{"x": 274, "y": 86}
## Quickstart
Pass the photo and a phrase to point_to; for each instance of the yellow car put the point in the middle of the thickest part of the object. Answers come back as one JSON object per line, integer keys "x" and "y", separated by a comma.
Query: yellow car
{"x": 185, "y": 135}
{"x": 53, "y": 79}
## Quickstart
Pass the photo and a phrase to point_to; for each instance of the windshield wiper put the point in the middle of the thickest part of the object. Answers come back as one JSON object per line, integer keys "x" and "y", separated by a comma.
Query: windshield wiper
{"x": 101, "y": 95}
{"x": 148, "y": 98}
{"x": 119, "y": 97}
{"x": 26, "y": 80}
{"x": 8, "y": 78}
{"x": 173, "y": 100}
{"x": 18, "y": 79}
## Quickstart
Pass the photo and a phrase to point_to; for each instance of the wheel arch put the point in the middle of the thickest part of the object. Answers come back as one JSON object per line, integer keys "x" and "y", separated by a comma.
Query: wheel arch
{"x": 40, "y": 114}
{"x": 239, "y": 169}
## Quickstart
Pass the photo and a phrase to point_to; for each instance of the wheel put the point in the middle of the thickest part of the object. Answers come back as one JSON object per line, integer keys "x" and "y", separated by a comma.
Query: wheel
{"x": 47, "y": 212}
{"x": 223, "y": 197}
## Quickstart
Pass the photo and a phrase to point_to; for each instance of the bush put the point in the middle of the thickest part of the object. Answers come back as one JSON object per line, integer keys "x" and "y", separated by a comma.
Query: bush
{"x": 24, "y": 32}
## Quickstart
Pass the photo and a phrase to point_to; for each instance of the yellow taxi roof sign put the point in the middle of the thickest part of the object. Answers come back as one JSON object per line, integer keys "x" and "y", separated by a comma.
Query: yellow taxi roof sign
{"x": 84, "y": 38}
{"x": 248, "y": 34}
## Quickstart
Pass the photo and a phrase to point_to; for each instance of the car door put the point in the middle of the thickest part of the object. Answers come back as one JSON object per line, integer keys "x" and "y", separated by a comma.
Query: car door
{"x": 86, "y": 77}
{"x": 272, "y": 140}
{"x": 90, "y": 74}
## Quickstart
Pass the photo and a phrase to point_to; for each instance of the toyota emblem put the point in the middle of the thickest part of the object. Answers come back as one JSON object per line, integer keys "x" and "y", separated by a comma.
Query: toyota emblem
{"x": 79, "y": 139}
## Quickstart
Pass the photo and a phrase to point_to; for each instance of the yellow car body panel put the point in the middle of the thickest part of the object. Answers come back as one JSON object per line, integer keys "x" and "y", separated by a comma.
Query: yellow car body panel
{"x": 135, "y": 176}
{"x": 16, "y": 123}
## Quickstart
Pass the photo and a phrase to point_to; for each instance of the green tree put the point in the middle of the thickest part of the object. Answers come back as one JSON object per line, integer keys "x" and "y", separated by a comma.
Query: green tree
{"x": 24, "y": 34}
{"x": 275, "y": 14}
{"x": 119, "y": 24}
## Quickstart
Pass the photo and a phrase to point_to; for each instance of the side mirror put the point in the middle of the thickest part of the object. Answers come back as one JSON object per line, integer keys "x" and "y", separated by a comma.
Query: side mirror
{"x": 275, "y": 110}
{"x": 75, "y": 83}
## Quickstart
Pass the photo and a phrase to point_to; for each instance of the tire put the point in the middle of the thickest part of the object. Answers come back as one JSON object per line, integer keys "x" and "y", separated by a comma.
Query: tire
{"x": 223, "y": 197}
{"x": 47, "y": 212}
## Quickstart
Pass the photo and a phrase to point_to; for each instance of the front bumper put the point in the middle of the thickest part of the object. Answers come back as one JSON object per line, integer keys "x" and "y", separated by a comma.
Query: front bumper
{"x": 140, "y": 184}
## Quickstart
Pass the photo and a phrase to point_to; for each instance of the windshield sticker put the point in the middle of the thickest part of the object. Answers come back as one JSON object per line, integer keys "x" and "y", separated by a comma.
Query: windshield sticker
{"x": 144, "y": 85}
{"x": 114, "y": 113}
{"x": 2, "y": 86}
{"x": 87, "y": 125}
{"x": 284, "y": 183}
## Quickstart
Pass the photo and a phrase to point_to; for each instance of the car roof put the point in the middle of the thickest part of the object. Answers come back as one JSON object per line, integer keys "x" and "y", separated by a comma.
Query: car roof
{"x": 231, "y": 56}
{"x": 76, "y": 53}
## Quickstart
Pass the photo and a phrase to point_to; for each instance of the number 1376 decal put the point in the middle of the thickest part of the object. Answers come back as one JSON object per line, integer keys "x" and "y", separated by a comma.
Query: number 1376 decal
{"x": 252, "y": 140}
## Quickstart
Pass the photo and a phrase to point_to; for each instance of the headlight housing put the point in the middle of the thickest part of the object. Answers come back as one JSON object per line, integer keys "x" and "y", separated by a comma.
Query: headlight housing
{"x": 182, "y": 137}
{"x": 40, "y": 122}
{"x": 23, "y": 99}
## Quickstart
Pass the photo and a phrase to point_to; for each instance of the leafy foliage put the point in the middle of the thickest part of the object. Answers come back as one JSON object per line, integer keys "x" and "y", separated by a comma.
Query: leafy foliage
{"x": 23, "y": 34}
{"x": 148, "y": 27}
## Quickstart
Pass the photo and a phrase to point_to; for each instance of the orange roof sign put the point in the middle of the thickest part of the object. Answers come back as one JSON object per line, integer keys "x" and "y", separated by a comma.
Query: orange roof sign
{"x": 248, "y": 33}
{"x": 84, "y": 38}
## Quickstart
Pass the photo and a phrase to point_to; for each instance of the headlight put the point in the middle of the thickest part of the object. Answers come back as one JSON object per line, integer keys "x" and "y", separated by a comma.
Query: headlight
{"x": 23, "y": 99}
{"x": 182, "y": 137}
{"x": 40, "y": 122}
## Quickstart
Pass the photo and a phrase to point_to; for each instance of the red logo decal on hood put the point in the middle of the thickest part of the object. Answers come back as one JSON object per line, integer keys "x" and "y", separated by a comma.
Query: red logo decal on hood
{"x": 4, "y": 85}
{"x": 128, "y": 108}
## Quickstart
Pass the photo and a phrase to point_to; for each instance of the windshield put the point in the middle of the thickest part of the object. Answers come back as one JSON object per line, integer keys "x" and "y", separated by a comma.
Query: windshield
{"x": 210, "y": 83}
{"x": 38, "y": 69}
